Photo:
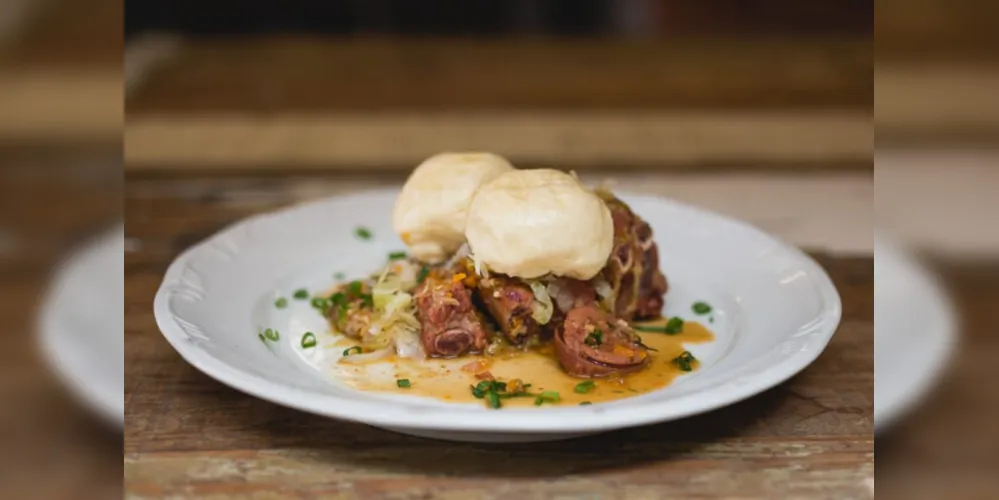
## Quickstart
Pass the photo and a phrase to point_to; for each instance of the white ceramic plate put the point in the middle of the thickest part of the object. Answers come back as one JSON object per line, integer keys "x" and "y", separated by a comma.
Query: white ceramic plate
{"x": 775, "y": 311}
{"x": 81, "y": 325}
{"x": 914, "y": 332}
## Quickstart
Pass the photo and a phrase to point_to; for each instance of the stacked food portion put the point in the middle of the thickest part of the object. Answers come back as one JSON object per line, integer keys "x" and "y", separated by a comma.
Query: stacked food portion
{"x": 503, "y": 259}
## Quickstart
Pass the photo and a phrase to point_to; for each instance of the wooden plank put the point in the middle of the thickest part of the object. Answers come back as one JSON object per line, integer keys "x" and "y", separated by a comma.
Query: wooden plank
{"x": 808, "y": 470}
{"x": 567, "y": 139}
{"x": 69, "y": 34}
{"x": 289, "y": 74}
{"x": 61, "y": 105}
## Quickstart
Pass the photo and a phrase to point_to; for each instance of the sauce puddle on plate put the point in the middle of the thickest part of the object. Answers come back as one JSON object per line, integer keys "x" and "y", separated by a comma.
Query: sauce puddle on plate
{"x": 445, "y": 379}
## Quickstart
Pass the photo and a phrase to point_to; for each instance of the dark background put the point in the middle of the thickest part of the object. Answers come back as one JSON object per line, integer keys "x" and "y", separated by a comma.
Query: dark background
{"x": 503, "y": 17}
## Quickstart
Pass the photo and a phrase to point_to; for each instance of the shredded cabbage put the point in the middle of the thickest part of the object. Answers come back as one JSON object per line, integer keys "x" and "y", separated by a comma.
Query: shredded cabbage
{"x": 541, "y": 308}
{"x": 605, "y": 292}
{"x": 480, "y": 268}
{"x": 395, "y": 316}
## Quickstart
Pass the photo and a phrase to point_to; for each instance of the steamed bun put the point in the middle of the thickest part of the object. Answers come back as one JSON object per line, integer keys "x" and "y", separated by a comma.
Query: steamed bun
{"x": 528, "y": 223}
{"x": 431, "y": 211}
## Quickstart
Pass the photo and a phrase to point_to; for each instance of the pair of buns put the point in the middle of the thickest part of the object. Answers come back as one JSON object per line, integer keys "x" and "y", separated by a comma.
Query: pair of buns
{"x": 523, "y": 223}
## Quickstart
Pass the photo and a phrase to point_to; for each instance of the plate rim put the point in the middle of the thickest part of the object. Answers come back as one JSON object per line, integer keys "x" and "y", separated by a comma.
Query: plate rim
{"x": 107, "y": 402}
{"x": 944, "y": 342}
{"x": 598, "y": 418}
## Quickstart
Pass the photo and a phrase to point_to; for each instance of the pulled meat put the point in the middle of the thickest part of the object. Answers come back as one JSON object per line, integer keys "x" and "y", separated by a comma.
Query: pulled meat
{"x": 509, "y": 301}
{"x": 450, "y": 324}
{"x": 593, "y": 343}
{"x": 633, "y": 267}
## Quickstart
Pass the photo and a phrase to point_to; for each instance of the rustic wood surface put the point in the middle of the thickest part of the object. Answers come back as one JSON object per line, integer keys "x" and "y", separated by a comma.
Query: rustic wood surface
{"x": 321, "y": 102}
{"x": 189, "y": 436}
{"x": 287, "y": 74}
{"x": 50, "y": 201}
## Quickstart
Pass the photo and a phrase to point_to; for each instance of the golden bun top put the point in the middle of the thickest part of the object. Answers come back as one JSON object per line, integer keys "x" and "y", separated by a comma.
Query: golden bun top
{"x": 431, "y": 211}
{"x": 529, "y": 223}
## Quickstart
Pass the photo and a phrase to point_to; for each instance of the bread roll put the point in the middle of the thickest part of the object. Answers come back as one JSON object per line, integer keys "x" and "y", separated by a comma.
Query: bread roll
{"x": 431, "y": 211}
{"x": 528, "y": 223}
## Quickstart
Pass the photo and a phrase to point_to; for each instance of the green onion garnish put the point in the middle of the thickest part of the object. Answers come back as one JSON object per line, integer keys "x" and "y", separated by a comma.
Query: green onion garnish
{"x": 281, "y": 303}
{"x": 272, "y": 335}
{"x": 397, "y": 255}
{"x": 595, "y": 339}
{"x": 684, "y": 360}
{"x": 308, "y": 340}
{"x": 424, "y": 271}
{"x": 363, "y": 233}
{"x": 701, "y": 307}
{"x": 546, "y": 396}
{"x": 301, "y": 294}
{"x": 584, "y": 387}
{"x": 673, "y": 327}
{"x": 352, "y": 350}
{"x": 492, "y": 399}
{"x": 585, "y": 403}
{"x": 339, "y": 276}
{"x": 403, "y": 383}
{"x": 493, "y": 390}
{"x": 355, "y": 288}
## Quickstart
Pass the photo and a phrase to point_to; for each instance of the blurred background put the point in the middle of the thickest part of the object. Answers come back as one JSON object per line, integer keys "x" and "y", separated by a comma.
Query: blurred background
{"x": 768, "y": 110}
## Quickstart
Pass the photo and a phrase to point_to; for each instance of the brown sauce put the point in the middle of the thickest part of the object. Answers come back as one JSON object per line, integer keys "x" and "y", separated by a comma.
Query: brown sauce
{"x": 445, "y": 379}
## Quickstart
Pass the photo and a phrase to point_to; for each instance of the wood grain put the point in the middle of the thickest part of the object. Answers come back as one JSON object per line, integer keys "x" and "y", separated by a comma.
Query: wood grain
{"x": 69, "y": 34}
{"x": 578, "y": 139}
{"x": 189, "y": 436}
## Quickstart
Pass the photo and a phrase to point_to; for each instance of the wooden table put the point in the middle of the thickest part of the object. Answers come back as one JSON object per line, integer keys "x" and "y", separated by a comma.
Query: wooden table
{"x": 189, "y": 436}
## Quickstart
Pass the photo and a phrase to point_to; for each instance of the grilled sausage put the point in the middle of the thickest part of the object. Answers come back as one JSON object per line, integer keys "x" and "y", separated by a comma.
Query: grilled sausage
{"x": 592, "y": 343}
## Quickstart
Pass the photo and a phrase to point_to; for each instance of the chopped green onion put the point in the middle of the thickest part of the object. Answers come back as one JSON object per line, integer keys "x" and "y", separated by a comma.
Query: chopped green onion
{"x": 339, "y": 276}
{"x": 585, "y": 403}
{"x": 301, "y": 294}
{"x": 673, "y": 327}
{"x": 281, "y": 303}
{"x": 272, "y": 335}
{"x": 422, "y": 275}
{"x": 352, "y": 350}
{"x": 355, "y": 288}
{"x": 403, "y": 383}
{"x": 701, "y": 307}
{"x": 632, "y": 390}
{"x": 363, "y": 233}
{"x": 584, "y": 387}
{"x": 397, "y": 255}
{"x": 308, "y": 340}
{"x": 368, "y": 300}
{"x": 262, "y": 338}
{"x": 711, "y": 319}
{"x": 684, "y": 360}
{"x": 546, "y": 396}
{"x": 595, "y": 339}
{"x": 492, "y": 399}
